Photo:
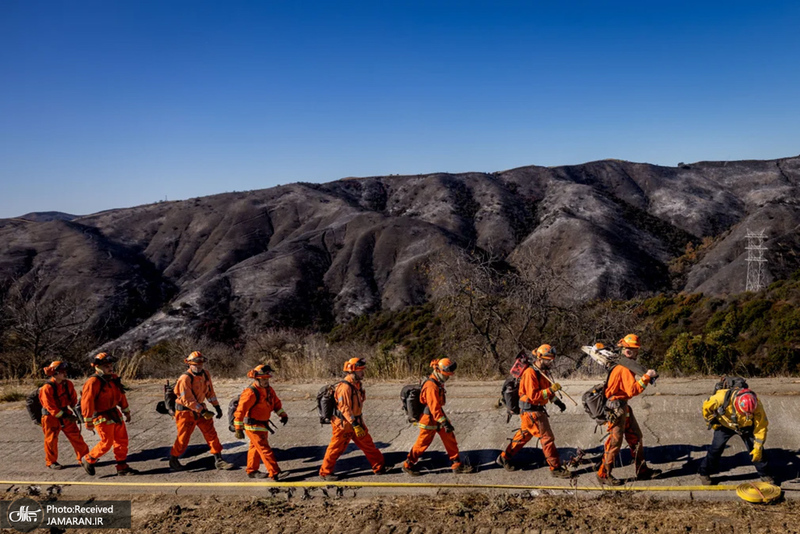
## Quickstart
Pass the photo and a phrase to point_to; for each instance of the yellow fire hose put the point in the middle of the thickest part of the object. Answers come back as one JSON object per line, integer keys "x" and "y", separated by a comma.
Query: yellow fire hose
{"x": 362, "y": 485}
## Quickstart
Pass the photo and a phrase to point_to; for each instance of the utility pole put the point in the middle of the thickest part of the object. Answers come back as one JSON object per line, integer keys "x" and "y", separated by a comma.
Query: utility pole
{"x": 755, "y": 260}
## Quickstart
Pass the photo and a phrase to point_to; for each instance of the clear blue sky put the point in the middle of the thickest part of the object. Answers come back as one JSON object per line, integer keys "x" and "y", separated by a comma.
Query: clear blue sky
{"x": 107, "y": 104}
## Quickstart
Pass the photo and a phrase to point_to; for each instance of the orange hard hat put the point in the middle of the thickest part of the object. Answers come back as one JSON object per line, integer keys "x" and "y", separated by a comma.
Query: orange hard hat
{"x": 445, "y": 366}
{"x": 55, "y": 367}
{"x": 195, "y": 357}
{"x": 261, "y": 371}
{"x": 355, "y": 364}
{"x": 545, "y": 352}
{"x": 631, "y": 341}
{"x": 103, "y": 358}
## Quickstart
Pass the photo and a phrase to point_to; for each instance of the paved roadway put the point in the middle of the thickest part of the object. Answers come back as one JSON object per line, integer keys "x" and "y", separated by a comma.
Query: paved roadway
{"x": 675, "y": 438}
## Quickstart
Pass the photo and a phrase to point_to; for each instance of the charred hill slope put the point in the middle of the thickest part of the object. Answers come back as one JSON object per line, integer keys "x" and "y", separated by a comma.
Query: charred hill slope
{"x": 314, "y": 254}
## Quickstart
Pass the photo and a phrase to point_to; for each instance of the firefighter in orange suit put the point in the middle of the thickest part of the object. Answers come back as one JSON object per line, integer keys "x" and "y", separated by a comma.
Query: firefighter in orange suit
{"x": 348, "y": 423}
{"x": 58, "y": 399}
{"x": 102, "y": 398}
{"x": 622, "y": 386}
{"x": 192, "y": 389}
{"x": 256, "y": 404}
{"x": 535, "y": 392}
{"x": 434, "y": 421}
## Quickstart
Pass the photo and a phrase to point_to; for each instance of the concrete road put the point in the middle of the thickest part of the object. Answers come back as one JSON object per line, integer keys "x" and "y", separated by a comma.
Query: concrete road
{"x": 675, "y": 438}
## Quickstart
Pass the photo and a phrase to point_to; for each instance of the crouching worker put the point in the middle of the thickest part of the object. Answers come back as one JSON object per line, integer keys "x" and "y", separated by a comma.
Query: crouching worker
{"x": 192, "y": 389}
{"x": 535, "y": 392}
{"x": 256, "y": 404}
{"x": 434, "y": 421}
{"x": 621, "y": 387}
{"x": 102, "y": 398}
{"x": 58, "y": 398}
{"x": 348, "y": 423}
{"x": 730, "y": 412}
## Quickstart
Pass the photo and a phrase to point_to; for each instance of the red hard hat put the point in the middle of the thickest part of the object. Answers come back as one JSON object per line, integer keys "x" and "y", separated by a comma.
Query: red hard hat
{"x": 746, "y": 402}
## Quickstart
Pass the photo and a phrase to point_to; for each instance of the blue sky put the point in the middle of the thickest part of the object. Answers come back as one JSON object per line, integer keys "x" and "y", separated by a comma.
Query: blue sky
{"x": 112, "y": 104}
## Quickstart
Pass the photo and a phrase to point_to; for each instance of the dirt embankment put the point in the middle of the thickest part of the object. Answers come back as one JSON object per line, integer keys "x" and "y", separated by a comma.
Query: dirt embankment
{"x": 454, "y": 513}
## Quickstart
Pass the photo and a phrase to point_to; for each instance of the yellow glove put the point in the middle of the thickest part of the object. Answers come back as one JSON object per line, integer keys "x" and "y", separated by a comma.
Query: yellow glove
{"x": 555, "y": 387}
{"x": 359, "y": 430}
{"x": 207, "y": 414}
{"x": 757, "y": 452}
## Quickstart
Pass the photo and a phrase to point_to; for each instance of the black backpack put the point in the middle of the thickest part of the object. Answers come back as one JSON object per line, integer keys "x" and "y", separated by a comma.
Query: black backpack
{"x": 234, "y": 404}
{"x": 594, "y": 401}
{"x": 167, "y": 406}
{"x": 509, "y": 393}
{"x": 732, "y": 384}
{"x": 410, "y": 402}
{"x": 326, "y": 403}
{"x": 34, "y": 405}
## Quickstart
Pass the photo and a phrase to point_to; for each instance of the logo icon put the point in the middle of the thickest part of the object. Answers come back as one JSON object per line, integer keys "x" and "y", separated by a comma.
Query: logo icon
{"x": 25, "y": 515}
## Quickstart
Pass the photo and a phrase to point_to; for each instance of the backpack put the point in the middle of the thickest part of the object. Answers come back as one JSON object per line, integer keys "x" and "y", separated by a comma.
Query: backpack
{"x": 411, "y": 403}
{"x": 326, "y": 403}
{"x": 509, "y": 392}
{"x": 167, "y": 406}
{"x": 234, "y": 404}
{"x": 732, "y": 384}
{"x": 594, "y": 401}
{"x": 34, "y": 405}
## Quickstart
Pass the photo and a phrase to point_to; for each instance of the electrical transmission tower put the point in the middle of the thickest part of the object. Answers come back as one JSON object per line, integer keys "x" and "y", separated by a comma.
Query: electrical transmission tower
{"x": 755, "y": 260}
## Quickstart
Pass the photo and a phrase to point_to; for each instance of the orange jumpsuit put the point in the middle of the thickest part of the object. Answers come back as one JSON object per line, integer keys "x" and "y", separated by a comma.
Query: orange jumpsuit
{"x": 57, "y": 400}
{"x": 349, "y": 403}
{"x": 253, "y": 414}
{"x": 192, "y": 392}
{"x": 534, "y": 394}
{"x": 622, "y": 386}
{"x": 433, "y": 396}
{"x": 101, "y": 401}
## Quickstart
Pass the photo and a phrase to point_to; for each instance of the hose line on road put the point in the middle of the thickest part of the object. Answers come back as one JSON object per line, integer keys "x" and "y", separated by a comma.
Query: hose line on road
{"x": 362, "y": 485}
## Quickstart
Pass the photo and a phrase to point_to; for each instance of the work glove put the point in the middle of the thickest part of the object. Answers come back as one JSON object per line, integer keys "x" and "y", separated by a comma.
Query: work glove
{"x": 89, "y": 426}
{"x": 206, "y": 414}
{"x": 560, "y": 404}
{"x": 219, "y": 411}
{"x": 127, "y": 417}
{"x": 652, "y": 374}
{"x": 555, "y": 387}
{"x": 284, "y": 419}
{"x": 713, "y": 423}
{"x": 757, "y": 452}
{"x": 359, "y": 430}
{"x": 239, "y": 433}
{"x": 448, "y": 426}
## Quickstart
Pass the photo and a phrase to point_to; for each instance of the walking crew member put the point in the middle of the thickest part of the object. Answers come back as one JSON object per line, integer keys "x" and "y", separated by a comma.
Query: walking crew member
{"x": 535, "y": 391}
{"x": 348, "y": 424}
{"x": 102, "y": 397}
{"x": 742, "y": 415}
{"x": 192, "y": 389}
{"x": 622, "y": 386}
{"x": 434, "y": 421}
{"x": 58, "y": 398}
{"x": 256, "y": 404}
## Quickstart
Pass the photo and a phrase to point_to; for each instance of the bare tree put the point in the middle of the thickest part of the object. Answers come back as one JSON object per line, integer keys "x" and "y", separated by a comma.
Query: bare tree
{"x": 38, "y": 324}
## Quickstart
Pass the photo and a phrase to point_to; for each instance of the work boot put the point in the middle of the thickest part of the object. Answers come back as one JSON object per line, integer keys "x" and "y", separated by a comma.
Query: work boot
{"x": 461, "y": 468}
{"x": 329, "y": 478}
{"x": 609, "y": 481}
{"x": 124, "y": 470}
{"x": 257, "y": 474}
{"x": 384, "y": 469}
{"x": 280, "y": 475}
{"x": 55, "y": 466}
{"x": 705, "y": 480}
{"x": 505, "y": 463}
{"x": 560, "y": 472}
{"x": 221, "y": 464}
{"x": 410, "y": 469}
{"x": 647, "y": 473}
{"x": 89, "y": 468}
{"x": 175, "y": 465}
